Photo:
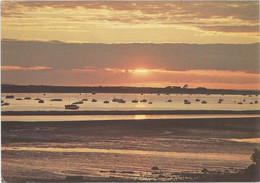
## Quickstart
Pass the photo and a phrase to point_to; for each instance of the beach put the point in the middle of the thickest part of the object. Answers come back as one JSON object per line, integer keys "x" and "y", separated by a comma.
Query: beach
{"x": 126, "y": 150}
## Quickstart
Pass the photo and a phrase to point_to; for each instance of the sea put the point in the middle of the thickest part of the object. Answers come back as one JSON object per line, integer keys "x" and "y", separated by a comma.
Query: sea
{"x": 126, "y": 147}
{"x": 159, "y": 102}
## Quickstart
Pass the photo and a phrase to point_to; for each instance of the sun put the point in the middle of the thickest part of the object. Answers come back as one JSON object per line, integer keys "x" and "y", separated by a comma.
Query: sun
{"x": 141, "y": 70}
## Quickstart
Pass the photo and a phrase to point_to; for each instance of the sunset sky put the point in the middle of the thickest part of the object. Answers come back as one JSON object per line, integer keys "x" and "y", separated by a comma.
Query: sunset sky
{"x": 156, "y": 44}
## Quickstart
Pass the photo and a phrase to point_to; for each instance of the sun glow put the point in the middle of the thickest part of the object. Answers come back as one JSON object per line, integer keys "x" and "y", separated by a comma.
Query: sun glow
{"x": 141, "y": 70}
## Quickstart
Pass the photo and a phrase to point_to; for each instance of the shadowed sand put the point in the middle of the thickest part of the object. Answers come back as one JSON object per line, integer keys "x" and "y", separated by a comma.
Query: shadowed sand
{"x": 126, "y": 150}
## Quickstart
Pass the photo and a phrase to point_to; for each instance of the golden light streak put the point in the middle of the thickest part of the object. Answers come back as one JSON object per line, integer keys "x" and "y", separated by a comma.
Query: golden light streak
{"x": 141, "y": 70}
{"x": 25, "y": 68}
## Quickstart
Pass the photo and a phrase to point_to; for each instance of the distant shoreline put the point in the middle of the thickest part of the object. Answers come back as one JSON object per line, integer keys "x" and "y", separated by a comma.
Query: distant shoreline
{"x": 120, "y": 89}
{"x": 131, "y": 112}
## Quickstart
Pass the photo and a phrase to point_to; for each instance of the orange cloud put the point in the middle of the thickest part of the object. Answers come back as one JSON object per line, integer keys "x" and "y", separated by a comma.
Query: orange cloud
{"x": 84, "y": 70}
{"x": 25, "y": 68}
{"x": 93, "y": 21}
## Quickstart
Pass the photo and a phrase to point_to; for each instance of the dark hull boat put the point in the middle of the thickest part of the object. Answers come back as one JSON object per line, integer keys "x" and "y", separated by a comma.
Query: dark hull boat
{"x": 56, "y": 99}
{"x": 187, "y": 101}
{"x": 80, "y": 102}
{"x": 72, "y": 106}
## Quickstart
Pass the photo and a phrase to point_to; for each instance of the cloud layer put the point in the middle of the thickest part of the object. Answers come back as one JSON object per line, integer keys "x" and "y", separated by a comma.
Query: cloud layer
{"x": 177, "y": 57}
{"x": 59, "y": 63}
{"x": 197, "y": 20}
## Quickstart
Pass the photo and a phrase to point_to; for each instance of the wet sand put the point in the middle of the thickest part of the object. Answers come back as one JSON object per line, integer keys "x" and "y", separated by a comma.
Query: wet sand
{"x": 126, "y": 150}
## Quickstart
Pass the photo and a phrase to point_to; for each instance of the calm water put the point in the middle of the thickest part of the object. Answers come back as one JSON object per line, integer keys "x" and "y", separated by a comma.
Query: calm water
{"x": 70, "y": 147}
{"x": 39, "y": 118}
{"x": 159, "y": 102}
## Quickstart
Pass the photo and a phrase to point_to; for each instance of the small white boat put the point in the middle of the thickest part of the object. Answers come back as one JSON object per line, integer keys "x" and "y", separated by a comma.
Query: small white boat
{"x": 72, "y": 106}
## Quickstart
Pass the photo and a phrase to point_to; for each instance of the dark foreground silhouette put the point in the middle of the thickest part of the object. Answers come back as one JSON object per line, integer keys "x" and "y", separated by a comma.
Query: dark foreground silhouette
{"x": 249, "y": 174}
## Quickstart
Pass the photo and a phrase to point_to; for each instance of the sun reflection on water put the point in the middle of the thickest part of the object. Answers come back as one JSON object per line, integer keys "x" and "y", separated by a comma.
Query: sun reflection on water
{"x": 140, "y": 116}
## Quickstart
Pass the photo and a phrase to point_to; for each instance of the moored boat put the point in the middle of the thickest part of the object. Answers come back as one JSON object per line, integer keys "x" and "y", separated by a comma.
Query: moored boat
{"x": 41, "y": 101}
{"x": 121, "y": 101}
{"x": 5, "y": 103}
{"x": 56, "y": 99}
{"x": 187, "y": 101}
{"x": 79, "y": 102}
{"x": 134, "y": 101}
{"x": 72, "y": 106}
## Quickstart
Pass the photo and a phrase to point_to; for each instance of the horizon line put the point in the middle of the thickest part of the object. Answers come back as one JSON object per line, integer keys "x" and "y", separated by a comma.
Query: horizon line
{"x": 107, "y": 43}
{"x": 104, "y": 86}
